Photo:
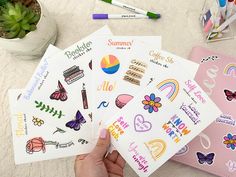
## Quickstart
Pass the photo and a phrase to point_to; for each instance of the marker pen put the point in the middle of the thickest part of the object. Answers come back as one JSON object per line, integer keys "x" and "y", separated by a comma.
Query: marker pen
{"x": 206, "y": 17}
{"x": 226, "y": 23}
{"x": 208, "y": 25}
{"x": 133, "y": 9}
{"x": 217, "y": 21}
{"x": 222, "y": 4}
{"x": 119, "y": 16}
{"x": 230, "y": 7}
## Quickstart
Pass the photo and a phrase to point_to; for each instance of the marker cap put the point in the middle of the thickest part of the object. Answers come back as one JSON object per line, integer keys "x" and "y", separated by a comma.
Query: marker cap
{"x": 100, "y": 16}
{"x": 222, "y": 3}
{"x": 108, "y": 1}
{"x": 153, "y": 15}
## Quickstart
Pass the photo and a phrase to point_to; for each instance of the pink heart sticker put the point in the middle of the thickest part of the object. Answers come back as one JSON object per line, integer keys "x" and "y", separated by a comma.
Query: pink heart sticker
{"x": 140, "y": 125}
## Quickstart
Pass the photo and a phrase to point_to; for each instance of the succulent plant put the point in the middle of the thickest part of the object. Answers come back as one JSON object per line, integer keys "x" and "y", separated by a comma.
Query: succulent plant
{"x": 24, "y": 2}
{"x": 3, "y": 2}
{"x": 17, "y": 20}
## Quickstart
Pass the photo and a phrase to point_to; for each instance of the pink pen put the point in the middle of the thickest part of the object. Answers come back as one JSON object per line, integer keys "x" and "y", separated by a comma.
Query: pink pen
{"x": 208, "y": 26}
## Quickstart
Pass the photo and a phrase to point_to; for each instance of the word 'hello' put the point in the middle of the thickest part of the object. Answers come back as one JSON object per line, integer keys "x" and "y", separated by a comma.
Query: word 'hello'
{"x": 107, "y": 86}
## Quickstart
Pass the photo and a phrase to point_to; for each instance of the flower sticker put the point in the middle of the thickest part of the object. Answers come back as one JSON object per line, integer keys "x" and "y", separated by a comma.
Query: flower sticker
{"x": 151, "y": 103}
{"x": 37, "y": 121}
{"x": 230, "y": 141}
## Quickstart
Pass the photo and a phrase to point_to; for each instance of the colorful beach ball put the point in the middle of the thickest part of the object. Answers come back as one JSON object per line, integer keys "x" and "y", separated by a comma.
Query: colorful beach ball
{"x": 110, "y": 64}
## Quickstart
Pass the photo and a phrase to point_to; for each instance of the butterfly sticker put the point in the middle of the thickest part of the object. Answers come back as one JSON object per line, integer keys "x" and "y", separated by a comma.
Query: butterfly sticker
{"x": 230, "y": 95}
{"x": 75, "y": 124}
{"x": 60, "y": 93}
{"x": 205, "y": 158}
{"x": 231, "y": 166}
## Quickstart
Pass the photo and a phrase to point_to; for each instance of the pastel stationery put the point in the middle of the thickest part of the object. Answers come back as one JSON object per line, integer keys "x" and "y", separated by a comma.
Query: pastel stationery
{"x": 214, "y": 149}
{"x": 226, "y": 23}
{"x": 133, "y": 9}
{"x": 230, "y": 7}
{"x": 216, "y": 18}
{"x": 138, "y": 69}
{"x": 160, "y": 120}
{"x": 59, "y": 91}
{"x": 223, "y": 7}
{"x": 112, "y": 58}
{"x": 34, "y": 140}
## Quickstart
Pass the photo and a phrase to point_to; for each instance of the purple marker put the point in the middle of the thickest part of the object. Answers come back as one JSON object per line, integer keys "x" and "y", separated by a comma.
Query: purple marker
{"x": 119, "y": 16}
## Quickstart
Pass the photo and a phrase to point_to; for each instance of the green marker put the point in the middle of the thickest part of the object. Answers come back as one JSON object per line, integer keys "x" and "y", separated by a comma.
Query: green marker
{"x": 133, "y": 9}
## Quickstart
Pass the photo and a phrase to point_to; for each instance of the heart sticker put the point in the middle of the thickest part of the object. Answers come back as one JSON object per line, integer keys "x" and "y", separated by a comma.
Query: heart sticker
{"x": 140, "y": 125}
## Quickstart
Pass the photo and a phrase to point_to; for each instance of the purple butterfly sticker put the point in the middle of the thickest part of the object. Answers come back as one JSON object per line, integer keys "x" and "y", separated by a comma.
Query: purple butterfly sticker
{"x": 205, "y": 158}
{"x": 75, "y": 124}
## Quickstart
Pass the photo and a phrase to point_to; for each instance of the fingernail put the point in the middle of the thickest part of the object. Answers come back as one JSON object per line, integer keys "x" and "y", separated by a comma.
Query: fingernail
{"x": 103, "y": 134}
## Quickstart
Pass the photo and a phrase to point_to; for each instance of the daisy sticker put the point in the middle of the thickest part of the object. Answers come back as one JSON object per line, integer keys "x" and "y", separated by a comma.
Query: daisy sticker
{"x": 151, "y": 103}
{"x": 230, "y": 141}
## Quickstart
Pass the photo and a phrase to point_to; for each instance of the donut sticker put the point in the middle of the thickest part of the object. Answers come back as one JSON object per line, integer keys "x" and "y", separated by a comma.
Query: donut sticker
{"x": 122, "y": 100}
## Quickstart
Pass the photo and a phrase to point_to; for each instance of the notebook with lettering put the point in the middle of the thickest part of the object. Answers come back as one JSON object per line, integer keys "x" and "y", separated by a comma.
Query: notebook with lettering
{"x": 214, "y": 149}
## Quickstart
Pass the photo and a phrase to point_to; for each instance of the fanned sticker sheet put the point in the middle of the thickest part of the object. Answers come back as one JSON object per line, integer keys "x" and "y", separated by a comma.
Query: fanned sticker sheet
{"x": 34, "y": 140}
{"x": 146, "y": 98}
{"x": 112, "y": 58}
{"x": 120, "y": 73}
{"x": 56, "y": 98}
{"x": 160, "y": 120}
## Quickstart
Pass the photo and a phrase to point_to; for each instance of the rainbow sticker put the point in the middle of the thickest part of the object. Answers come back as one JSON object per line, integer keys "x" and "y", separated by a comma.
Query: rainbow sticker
{"x": 156, "y": 147}
{"x": 110, "y": 64}
{"x": 173, "y": 85}
{"x": 229, "y": 69}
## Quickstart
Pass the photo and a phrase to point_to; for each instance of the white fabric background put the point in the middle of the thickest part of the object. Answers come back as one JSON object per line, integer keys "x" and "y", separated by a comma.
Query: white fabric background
{"x": 180, "y": 31}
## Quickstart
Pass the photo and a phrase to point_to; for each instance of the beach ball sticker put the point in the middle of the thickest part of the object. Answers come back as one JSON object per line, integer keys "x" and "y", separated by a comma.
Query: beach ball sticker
{"x": 110, "y": 64}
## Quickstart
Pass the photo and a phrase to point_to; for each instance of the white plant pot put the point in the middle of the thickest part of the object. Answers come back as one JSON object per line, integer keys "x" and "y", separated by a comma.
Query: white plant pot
{"x": 35, "y": 43}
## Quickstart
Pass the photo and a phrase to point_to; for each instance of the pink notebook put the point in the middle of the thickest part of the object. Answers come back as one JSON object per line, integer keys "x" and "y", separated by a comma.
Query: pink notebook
{"x": 214, "y": 150}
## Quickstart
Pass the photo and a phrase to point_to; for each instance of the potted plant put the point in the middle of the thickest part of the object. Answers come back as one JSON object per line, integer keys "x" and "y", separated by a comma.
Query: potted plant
{"x": 26, "y": 28}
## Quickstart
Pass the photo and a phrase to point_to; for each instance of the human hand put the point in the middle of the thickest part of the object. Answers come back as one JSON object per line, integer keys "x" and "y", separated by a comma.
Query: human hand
{"x": 96, "y": 165}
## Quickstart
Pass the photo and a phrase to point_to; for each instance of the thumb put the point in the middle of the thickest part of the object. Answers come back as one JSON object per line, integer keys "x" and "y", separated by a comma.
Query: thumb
{"x": 102, "y": 145}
